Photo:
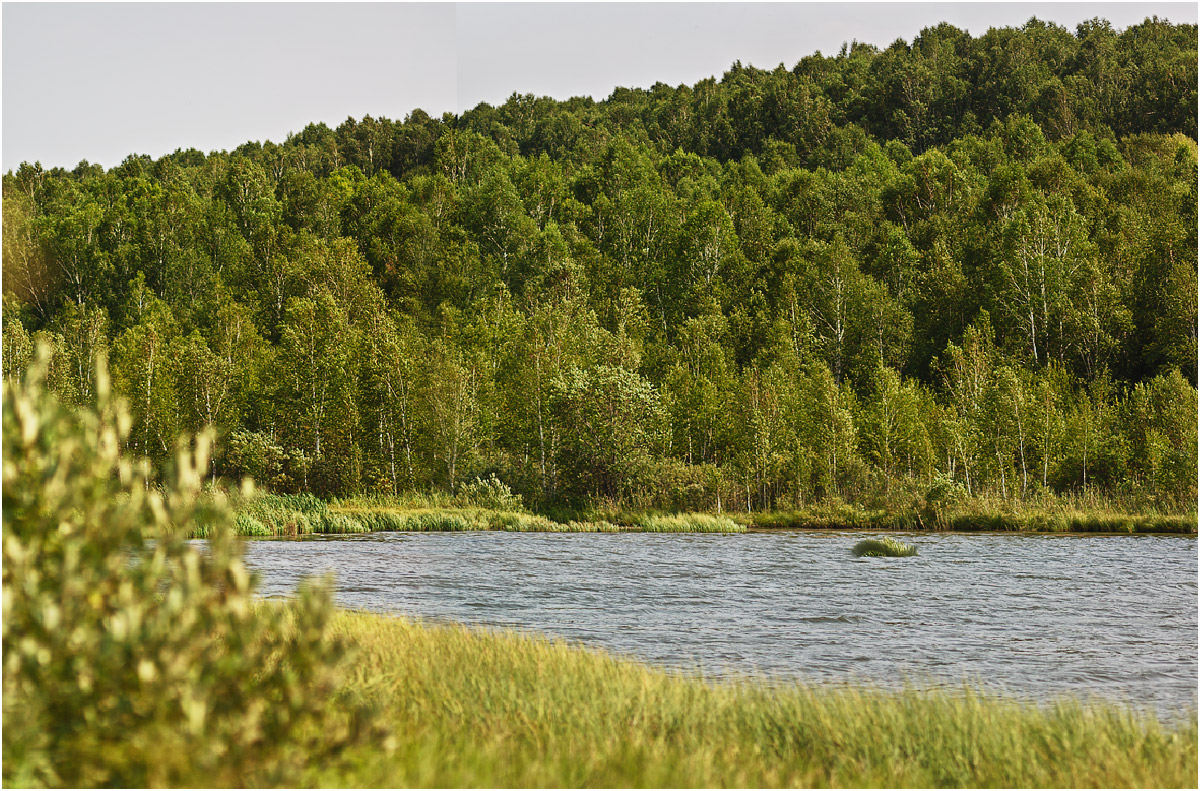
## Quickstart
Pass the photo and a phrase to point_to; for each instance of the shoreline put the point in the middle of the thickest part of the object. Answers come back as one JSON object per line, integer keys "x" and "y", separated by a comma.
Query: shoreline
{"x": 294, "y": 516}
{"x": 999, "y": 523}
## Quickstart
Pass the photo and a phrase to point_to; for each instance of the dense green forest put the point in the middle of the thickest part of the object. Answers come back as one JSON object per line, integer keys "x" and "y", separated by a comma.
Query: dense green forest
{"x": 957, "y": 265}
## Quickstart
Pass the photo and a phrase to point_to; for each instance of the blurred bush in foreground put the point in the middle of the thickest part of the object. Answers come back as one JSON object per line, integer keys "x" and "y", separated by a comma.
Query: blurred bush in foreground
{"x": 132, "y": 658}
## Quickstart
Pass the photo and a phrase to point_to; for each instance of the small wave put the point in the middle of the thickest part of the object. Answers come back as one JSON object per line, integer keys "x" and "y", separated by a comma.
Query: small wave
{"x": 830, "y": 618}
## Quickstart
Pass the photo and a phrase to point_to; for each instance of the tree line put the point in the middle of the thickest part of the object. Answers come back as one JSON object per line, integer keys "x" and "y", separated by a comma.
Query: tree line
{"x": 960, "y": 264}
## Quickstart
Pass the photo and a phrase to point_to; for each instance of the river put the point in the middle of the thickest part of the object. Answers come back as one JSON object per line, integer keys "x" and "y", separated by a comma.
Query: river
{"x": 1034, "y": 616}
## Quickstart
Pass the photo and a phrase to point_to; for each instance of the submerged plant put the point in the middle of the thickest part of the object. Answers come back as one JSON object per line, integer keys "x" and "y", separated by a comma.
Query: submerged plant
{"x": 883, "y": 548}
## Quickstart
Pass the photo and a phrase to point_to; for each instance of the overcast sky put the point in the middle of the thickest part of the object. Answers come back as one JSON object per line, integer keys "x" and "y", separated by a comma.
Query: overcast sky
{"x": 98, "y": 81}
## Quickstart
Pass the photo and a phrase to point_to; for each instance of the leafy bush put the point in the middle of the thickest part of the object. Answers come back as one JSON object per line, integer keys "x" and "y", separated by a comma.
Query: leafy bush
{"x": 945, "y": 490}
{"x": 883, "y": 548}
{"x": 130, "y": 657}
{"x": 490, "y": 492}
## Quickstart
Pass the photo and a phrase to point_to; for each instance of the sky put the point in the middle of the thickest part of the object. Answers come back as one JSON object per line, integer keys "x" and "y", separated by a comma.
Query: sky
{"x": 99, "y": 81}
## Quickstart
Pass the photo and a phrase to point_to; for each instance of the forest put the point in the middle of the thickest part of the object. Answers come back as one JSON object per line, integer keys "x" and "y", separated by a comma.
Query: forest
{"x": 960, "y": 265}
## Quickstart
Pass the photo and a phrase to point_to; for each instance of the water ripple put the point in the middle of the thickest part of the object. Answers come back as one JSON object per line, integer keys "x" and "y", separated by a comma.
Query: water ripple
{"x": 1037, "y": 616}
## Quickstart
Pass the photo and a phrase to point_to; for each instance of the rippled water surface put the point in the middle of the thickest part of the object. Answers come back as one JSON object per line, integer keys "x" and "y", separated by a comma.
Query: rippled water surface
{"x": 1033, "y": 615}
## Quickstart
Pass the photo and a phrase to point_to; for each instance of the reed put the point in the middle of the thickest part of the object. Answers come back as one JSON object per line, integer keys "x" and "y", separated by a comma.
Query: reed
{"x": 688, "y": 523}
{"x": 971, "y": 517}
{"x": 297, "y": 515}
{"x": 883, "y": 548}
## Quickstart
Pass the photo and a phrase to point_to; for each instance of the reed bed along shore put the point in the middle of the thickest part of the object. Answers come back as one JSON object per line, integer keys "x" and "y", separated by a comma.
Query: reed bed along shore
{"x": 970, "y": 519}
{"x": 483, "y": 708}
{"x": 266, "y": 515}
{"x": 297, "y": 515}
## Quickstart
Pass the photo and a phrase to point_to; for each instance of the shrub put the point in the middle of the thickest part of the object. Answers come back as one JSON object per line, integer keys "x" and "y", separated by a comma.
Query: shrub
{"x": 130, "y": 657}
{"x": 944, "y": 490}
{"x": 490, "y": 492}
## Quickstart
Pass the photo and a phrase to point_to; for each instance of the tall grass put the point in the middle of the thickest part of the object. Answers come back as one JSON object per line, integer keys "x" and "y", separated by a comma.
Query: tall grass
{"x": 491, "y": 508}
{"x": 976, "y": 515}
{"x": 688, "y": 523}
{"x": 296, "y": 515}
{"x": 883, "y": 548}
{"x": 483, "y": 708}
{"x": 261, "y": 514}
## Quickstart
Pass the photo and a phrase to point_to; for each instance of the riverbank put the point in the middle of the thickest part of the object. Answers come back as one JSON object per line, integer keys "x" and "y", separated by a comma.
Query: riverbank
{"x": 1014, "y": 519}
{"x": 482, "y": 708}
{"x": 265, "y": 515}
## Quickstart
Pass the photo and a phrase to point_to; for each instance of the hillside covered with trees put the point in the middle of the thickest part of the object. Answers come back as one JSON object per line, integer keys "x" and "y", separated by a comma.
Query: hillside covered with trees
{"x": 957, "y": 264}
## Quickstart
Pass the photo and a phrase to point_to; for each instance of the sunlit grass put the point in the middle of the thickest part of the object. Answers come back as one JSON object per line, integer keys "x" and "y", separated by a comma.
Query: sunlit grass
{"x": 688, "y": 523}
{"x": 976, "y": 515}
{"x": 883, "y": 548}
{"x": 296, "y": 515}
{"x": 484, "y": 708}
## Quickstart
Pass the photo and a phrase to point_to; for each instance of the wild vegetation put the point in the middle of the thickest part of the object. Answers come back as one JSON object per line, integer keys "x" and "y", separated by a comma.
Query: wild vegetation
{"x": 883, "y": 548}
{"x": 130, "y": 658}
{"x": 507, "y": 710}
{"x": 298, "y": 515}
{"x": 956, "y": 270}
{"x": 133, "y": 658}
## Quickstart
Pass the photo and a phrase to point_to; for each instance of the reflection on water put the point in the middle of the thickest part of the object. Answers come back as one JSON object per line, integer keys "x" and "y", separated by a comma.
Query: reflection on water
{"x": 1032, "y": 615}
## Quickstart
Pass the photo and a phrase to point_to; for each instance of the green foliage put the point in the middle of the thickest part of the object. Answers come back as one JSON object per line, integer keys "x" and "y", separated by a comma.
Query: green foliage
{"x": 962, "y": 256}
{"x": 489, "y": 492}
{"x": 610, "y": 417}
{"x": 252, "y": 454}
{"x": 130, "y": 657}
{"x": 883, "y": 548}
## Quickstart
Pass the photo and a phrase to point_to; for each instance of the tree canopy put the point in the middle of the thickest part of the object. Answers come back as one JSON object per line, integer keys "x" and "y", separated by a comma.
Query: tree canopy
{"x": 964, "y": 258}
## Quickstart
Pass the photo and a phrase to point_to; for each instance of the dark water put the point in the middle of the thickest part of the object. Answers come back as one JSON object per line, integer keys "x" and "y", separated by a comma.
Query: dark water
{"x": 1034, "y": 616}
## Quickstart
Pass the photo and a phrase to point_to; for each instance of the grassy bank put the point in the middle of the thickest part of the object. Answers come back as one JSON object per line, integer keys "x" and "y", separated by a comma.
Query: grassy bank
{"x": 297, "y": 515}
{"x": 971, "y": 518}
{"x": 473, "y": 708}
